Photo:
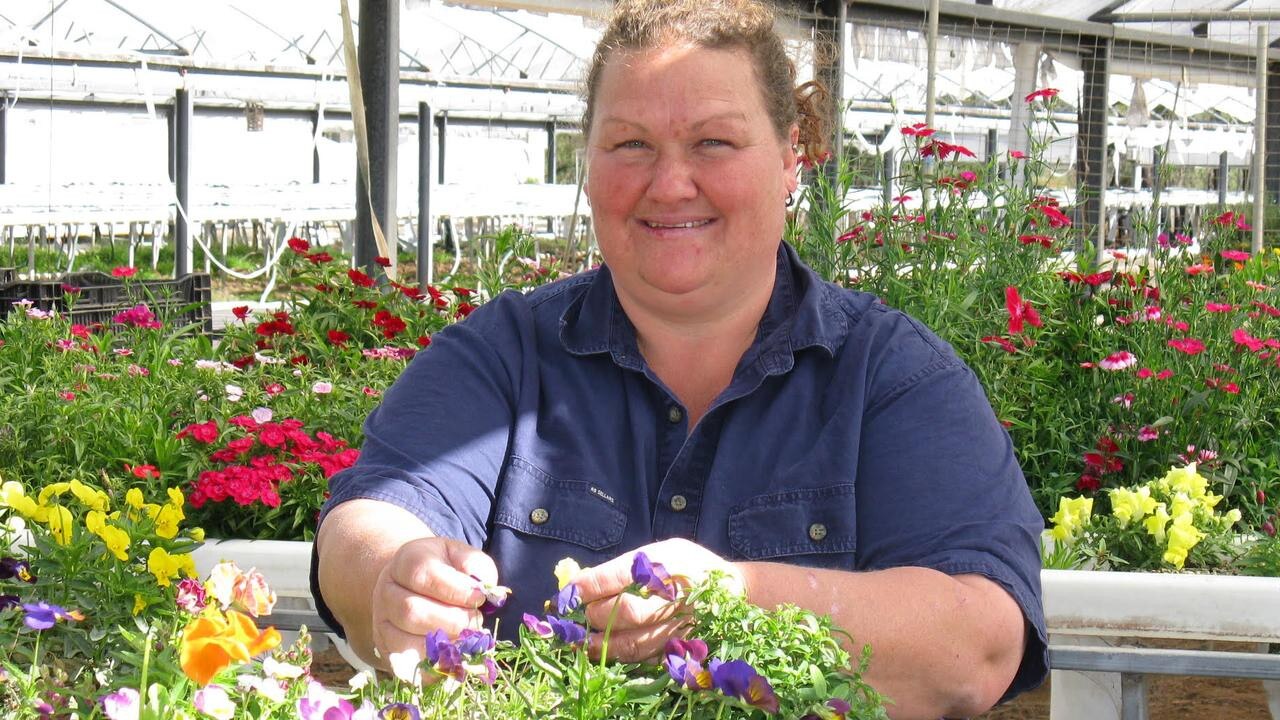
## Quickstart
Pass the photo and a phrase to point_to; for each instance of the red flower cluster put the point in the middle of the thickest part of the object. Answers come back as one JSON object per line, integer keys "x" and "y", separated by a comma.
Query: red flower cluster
{"x": 390, "y": 325}
{"x": 278, "y": 325}
{"x": 262, "y": 457}
{"x": 1229, "y": 219}
{"x": 1097, "y": 464}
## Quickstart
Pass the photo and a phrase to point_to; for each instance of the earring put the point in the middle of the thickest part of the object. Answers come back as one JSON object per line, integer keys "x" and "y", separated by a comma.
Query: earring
{"x": 791, "y": 199}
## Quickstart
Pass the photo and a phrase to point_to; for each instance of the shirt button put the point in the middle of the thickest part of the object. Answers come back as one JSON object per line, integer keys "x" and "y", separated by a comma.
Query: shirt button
{"x": 539, "y": 516}
{"x": 674, "y": 415}
{"x": 817, "y": 532}
{"x": 679, "y": 502}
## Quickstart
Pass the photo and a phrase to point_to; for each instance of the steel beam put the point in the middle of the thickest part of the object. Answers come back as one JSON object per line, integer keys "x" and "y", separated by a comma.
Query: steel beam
{"x": 315, "y": 146}
{"x": 1091, "y": 142}
{"x": 4, "y": 125}
{"x": 426, "y": 256}
{"x": 379, "y": 50}
{"x": 551, "y": 152}
{"x": 182, "y": 182}
{"x": 442, "y": 130}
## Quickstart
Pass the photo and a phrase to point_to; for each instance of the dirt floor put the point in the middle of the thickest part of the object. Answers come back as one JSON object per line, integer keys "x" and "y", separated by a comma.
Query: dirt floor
{"x": 1169, "y": 698}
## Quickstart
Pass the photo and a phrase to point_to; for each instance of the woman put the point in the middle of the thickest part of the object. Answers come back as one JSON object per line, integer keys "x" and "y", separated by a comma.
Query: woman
{"x": 704, "y": 397}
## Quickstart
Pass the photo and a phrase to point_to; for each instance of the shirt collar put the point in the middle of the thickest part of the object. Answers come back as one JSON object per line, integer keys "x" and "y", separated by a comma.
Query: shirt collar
{"x": 802, "y": 313}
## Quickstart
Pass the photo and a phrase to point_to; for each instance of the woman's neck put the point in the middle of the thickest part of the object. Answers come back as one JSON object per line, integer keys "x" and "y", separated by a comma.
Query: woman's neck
{"x": 694, "y": 351}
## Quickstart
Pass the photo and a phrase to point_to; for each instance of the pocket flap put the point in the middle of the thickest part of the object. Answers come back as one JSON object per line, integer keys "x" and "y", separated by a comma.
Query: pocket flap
{"x": 574, "y": 511}
{"x": 797, "y": 522}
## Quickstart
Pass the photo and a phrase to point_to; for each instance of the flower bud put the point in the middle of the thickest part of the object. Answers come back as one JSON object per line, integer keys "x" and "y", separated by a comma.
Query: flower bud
{"x": 1269, "y": 529}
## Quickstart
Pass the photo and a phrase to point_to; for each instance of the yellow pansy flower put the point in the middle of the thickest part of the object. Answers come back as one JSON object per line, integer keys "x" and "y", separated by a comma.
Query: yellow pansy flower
{"x": 117, "y": 541}
{"x": 1073, "y": 514}
{"x": 133, "y": 498}
{"x": 12, "y": 495}
{"x": 48, "y": 491}
{"x": 138, "y": 604}
{"x": 94, "y": 521}
{"x": 565, "y": 570}
{"x": 163, "y": 565}
{"x": 175, "y": 497}
{"x": 60, "y": 523}
{"x": 167, "y": 519}
{"x": 1155, "y": 524}
{"x": 90, "y": 497}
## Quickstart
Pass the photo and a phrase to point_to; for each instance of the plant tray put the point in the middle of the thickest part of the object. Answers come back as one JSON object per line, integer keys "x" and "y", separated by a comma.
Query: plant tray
{"x": 179, "y": 302}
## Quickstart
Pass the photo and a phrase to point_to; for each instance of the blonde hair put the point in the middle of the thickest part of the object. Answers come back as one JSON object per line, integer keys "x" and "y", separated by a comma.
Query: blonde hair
{"x": 747, "y": 25}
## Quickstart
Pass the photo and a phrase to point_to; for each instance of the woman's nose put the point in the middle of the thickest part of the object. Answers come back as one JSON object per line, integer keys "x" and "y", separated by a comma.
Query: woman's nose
{"x": 672, "y": 179}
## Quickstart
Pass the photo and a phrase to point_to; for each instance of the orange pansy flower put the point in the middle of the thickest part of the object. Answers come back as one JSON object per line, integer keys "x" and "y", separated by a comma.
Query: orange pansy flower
{"x": 210, "y": 643}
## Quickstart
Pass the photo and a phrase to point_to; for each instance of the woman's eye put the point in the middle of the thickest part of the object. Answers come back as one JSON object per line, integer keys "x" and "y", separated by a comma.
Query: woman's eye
{"x": 715, "y": 142}
{"x": 630, "y": 144}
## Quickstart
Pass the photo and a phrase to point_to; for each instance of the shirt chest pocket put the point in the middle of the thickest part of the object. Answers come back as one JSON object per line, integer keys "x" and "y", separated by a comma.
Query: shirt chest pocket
{"x": 813, "y": 527}
{"x": 533, "y": 502}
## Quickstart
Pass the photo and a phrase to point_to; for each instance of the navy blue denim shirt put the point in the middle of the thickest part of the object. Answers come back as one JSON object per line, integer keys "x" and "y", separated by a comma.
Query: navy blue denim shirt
{"x": 850, "y": 437}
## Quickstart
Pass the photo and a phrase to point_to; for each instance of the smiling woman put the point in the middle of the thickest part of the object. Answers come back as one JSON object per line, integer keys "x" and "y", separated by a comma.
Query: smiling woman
{"x": 705, "y": 398}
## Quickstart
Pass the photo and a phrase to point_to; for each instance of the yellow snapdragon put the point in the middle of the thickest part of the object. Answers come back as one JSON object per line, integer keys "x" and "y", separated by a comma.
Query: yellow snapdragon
{"x": 1129, "y": 505}
{"x": 1073, "y": 514}
{"x": 1183, "y": 536}
{"x": 13, "y": 496}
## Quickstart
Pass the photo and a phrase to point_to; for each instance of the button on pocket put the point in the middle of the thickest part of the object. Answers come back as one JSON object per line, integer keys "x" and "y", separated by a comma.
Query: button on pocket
{"x": 814, "y": 527}
{"x": 679, "y": 502}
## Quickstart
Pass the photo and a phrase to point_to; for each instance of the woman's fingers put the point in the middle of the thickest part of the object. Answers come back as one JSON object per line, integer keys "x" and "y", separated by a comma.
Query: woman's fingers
{"x": 438, "y": 568}
{"x": 627, "y": 612}
{"x": 642, "y": 644}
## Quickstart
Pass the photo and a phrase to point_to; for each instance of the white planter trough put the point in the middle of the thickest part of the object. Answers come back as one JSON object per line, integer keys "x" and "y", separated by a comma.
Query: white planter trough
{"x": 1099, "y": 608}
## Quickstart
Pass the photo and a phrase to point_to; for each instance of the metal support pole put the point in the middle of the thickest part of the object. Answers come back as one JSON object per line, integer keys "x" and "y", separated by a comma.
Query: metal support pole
{"x": 426, "y": 254}
{"x": 315, "y": 147}
{"x": 551, "y": 152}
{"x": 171, "y": 129}
{"x": 379, "y": 51}
{"x": 930, "y": 100}
{"x": 4, "y": 124}
{"x": 1091, "y": 144}
{"x": 886, "y": 187}
{"x": 1224, "y": 168}
{"x": 1272, "y": 174}
{"x": 1133, "y": 697}
{"x": 442, "y": 131}
{"x": 993, "y": 143}
{"x": 182, "y": 182}
{"x": 828, "y": 68}
{"x": 1260, "y": 143}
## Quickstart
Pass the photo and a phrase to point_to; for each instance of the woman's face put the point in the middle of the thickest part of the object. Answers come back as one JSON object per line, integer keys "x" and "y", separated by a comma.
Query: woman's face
{"x": 687, "y": 177}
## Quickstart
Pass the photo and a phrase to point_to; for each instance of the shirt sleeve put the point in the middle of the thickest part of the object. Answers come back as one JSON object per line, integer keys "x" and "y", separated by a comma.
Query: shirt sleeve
{"x": 437, "y": 442}
{"x": 939, "y": 485}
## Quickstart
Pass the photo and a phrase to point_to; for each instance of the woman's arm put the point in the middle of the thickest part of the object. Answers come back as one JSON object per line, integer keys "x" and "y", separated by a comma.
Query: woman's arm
{"x": 942, "y": 645}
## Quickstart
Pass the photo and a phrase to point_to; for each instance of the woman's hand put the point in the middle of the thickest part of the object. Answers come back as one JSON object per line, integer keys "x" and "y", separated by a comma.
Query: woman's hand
{"x": 429, "y": 584}
{"x": 639, "y": 627}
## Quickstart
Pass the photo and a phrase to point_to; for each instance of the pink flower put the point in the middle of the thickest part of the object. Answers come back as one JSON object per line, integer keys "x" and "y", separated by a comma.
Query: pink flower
{"x": 1118, "y": 361}
{"x": 1046, "y": 93}
{"x": 1237, "y": 255}
{"x": 1126, "y": 400}
{"x": 1145, "y": 373}
{"x": 370, "y": 391}
{"x": 1151, "y": 313}
{"x": 124, "y": 272}
{"x": 1216, "y": 307}
{"x": 1017, "y": 155}
{"x": 67, "y": 395}
{"x": 1190, "y": 346}
{"x": 322, "y": 388}
{"x": 273, "y": 389}
{"x": 123, "y": 704}
{"x": 1164, "y": 374}
{"x": 1019, "y": 310}
{"x": 1240, "y": 337}
{"x": 1146, "y": 433}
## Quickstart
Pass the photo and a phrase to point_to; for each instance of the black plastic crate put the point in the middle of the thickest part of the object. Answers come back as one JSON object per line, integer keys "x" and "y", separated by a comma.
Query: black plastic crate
{"x": 101, "y": 296}
{"x": 8, "y": 275}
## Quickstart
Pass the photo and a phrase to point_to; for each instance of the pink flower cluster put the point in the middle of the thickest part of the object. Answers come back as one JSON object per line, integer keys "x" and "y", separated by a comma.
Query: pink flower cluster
{"x": 258, "y": 456}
